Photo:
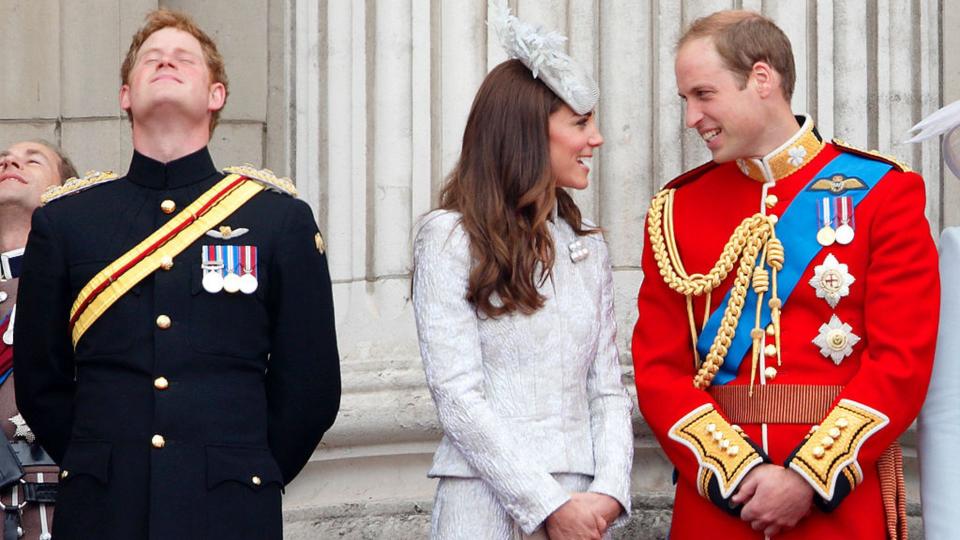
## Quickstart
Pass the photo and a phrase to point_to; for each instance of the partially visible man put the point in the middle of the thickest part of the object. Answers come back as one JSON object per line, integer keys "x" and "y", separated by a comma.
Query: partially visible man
{"x": 176, "y": 353}
{"x": 27, "y": 169}
{"x": 788, "y": 311}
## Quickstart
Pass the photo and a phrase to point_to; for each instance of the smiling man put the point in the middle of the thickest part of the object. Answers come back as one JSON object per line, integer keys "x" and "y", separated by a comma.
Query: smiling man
{"x": 176, "y": 351}
{"x": 788, "y": 312}
{"x": 27, "y": 169}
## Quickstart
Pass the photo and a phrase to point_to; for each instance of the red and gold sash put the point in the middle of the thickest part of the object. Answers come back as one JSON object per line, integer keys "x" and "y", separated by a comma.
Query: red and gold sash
{"x": 203, "y": 214}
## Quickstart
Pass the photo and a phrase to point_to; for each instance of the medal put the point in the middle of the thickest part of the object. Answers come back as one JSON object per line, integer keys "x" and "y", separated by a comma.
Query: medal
{"x": 231, "y": 283}
{"x": 845, "y": 217}
{"x": 832, "y": 280}
{"x": 826, "y": 235}
{"x": 212, "y": 281}
{"x": 211, "y": 262}
{"x": 230, "y": 268}
{"x": 248, "y": 269}
{"x": 836, "y": 340}
{"x": 248, "y": 284}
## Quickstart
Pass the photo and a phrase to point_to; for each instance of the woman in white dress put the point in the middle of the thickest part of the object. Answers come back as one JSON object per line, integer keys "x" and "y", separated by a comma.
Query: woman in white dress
{"x": 939, "y": 422}
{"x": 513, "y": 296}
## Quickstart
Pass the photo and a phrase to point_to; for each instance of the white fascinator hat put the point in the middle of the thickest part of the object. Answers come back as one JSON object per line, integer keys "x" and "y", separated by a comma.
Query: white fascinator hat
{"x": 542, "y": 52}
{"x": 943, "y": 122}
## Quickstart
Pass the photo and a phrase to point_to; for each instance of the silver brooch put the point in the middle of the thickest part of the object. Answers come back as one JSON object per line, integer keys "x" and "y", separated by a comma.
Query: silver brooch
{"x": 832, "y": 280}
{"x": 577, "y": 251}
{"x": 23, "y": 430}
{"x": 836, "y": 340}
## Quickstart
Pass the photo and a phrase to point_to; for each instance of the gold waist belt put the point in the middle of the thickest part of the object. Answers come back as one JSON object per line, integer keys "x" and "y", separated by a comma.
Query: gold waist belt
{"x": 775, "y": 403}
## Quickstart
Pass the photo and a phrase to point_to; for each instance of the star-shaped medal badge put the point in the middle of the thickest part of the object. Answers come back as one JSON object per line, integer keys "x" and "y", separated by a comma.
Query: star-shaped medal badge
{"x": 832, "y": 280}
{"x": 23, "y": 430}
{"x": 836, "y": 340}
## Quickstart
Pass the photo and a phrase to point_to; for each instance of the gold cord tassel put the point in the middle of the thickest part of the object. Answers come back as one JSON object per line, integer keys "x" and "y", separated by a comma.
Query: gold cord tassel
{"x": 775, "y": 258}
{"x": 693, "y": 332}
{"x": 761, "y": 284}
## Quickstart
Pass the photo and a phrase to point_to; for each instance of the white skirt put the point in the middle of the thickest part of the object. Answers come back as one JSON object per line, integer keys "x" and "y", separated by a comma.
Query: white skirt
{"x": 466, "y": 508}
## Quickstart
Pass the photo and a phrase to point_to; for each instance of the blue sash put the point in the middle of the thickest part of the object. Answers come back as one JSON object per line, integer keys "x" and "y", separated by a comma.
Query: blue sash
{"x": 796, "y": 229}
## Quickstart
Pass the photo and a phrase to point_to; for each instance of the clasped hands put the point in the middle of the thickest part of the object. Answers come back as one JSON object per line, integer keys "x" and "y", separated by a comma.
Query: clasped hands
{"x": 774, "y": 498}
{"x": 585, "y": 516}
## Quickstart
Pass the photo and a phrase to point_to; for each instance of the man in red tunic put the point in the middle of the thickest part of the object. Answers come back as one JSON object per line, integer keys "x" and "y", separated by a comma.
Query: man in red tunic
{"x": 789, "y": 308}
{"x": 27, "y": 169}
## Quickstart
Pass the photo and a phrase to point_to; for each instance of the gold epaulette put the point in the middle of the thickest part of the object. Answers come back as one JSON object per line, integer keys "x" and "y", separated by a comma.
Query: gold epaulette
{"x": 832, "y": 448}
{"x": 76, "y": 185}
{"x": 721, "y": 450}
{"x": 872, "y": 154}
{"x": 265, "y": 177}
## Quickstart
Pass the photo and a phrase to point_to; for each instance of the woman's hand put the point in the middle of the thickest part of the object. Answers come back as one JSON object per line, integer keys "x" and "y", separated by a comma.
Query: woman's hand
{"x": 604, "y": 506}
{"x": 576, "y": 519}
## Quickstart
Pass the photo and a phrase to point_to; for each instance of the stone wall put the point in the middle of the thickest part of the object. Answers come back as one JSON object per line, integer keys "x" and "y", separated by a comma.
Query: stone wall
{"x": 364, "y": 101}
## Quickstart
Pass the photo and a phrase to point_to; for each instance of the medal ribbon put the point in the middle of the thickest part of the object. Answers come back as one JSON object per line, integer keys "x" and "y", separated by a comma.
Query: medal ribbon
{"x": 795, "y": 228}
{"x": 111, "y": 283}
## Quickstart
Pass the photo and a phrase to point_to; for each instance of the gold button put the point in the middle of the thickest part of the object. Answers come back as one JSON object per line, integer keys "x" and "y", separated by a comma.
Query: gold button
{"x": 773, "y": 218}
{"x": 770, "y": 373}
{"x": 158, "y": 441}
{"x": 842, "y": 422}
{"x": 168, "y": 206}
{"x": 166, "y": 263}
{"x": 813, "y": 428}
{"x": 771, "y": 200}
{"x": 711, "y": 427}
{"x": 770, "y": 350}
{"x": 718, "y": 436}
{"x": 733, "y": 450}
{"x": 163, "y": 322}
{"x": 834, "y": 432}
{"x": 256, "y": 480}
{"x": 725, "y": 444}
{"x": 161, "y": 383}
{"x": 818, "y": 452}
{"x": 770, "y": 330}
{"x": 64, "y": 474}
{"x": 736, "y": 428}
{"x": 827, "y": 442}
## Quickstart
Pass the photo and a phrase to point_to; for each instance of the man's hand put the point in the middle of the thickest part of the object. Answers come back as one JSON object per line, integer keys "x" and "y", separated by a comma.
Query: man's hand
{"x": 575, "y": 520}
{"x": 776, "y": 498}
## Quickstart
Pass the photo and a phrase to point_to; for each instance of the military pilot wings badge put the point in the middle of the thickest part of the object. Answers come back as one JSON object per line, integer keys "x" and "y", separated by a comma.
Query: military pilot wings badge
{"x": 838, "y": 184}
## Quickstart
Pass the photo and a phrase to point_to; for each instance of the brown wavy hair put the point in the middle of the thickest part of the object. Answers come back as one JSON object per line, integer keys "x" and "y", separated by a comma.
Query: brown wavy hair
{"x": 505, "y": 191}
{"x": 162, "y": 18}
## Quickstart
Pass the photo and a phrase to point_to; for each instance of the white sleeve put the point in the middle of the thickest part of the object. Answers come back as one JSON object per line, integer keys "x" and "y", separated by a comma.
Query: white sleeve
{"x": 939, "y": 424}
{"x": 610, "y": 405}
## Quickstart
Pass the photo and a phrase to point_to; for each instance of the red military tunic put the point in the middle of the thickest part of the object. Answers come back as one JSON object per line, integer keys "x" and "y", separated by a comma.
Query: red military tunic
{"x": 862, "y": 394}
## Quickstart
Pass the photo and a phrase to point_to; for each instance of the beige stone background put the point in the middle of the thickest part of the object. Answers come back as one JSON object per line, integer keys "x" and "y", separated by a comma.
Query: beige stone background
{"x": 364, "y": 101}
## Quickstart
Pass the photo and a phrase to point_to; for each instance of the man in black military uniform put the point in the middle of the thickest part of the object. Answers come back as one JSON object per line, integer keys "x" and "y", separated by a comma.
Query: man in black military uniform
{"x": 178, "y": 398}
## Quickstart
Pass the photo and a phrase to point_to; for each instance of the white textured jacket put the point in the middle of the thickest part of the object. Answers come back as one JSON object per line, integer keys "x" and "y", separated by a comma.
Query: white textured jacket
{"x": 939, "y": 424}
{"x": 523, "y": 396}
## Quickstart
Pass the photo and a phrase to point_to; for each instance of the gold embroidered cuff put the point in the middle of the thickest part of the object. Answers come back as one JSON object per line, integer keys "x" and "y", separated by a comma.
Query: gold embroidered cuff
{"x": 722, "y": 452}
{"x": 833, "y": 447}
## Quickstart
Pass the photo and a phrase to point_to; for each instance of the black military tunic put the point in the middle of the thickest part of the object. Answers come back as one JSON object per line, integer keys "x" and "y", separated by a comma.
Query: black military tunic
{"x": 188, "y": 431}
